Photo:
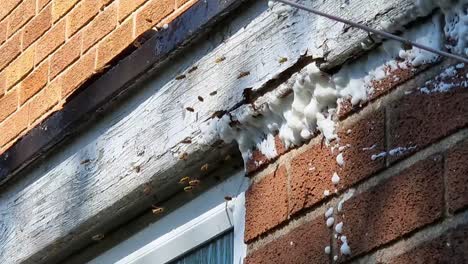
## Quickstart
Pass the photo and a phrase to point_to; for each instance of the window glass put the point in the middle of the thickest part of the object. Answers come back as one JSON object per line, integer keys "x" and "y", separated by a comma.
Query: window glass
{"x": 217, "y": 251}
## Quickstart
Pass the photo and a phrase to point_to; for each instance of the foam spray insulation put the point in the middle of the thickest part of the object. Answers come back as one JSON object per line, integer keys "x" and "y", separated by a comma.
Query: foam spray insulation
{"x": 311, "y": 106}
{"x": 307, "y": 103}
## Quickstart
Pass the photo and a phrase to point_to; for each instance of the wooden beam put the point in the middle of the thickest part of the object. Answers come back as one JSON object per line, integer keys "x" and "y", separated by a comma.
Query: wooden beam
{"x": 135, "y": 155}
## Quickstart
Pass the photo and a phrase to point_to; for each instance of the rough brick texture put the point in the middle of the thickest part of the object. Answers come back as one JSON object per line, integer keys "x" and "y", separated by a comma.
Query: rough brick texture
{"x": 64, "y": 56}
{"x": 457, "y": 177}
{"x": 50, "y": 41}
{"x": 302, "y": 245}
{"x": 360, "y": 140}
{"x": 266, "y": 204}
{"x": 416, "y": 119}
{"x": 389, "y": 204}
{"x": 258, "y": 161}
{"x": 37, "y": 26}
{"x": 154, "y": 10}
{"x": 14, "y": 125}
{"x": 450, "y": 247}
{"x": 8, "y": 104}
{"x": 311, "y": 174}
{"x": 395, "y": 207}
{"x": 115, "y": 43}
{"x": 81, "y": 14}
{"x": 10, "y": 50}
{"x": 34, "y": 82}
{"x": 311, "y": 171}
{"x": 20, "y": 15}
{"x": 103, "y": 24}
{"x": 41, "y": 39}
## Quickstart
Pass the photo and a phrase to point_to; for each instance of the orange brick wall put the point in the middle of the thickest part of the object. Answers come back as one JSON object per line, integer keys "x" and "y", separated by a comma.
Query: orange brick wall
{"x": 48, "y": 48}
{"x": 407, "y": 207}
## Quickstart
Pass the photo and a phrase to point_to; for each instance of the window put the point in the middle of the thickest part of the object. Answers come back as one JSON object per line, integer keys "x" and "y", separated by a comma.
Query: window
{"x": 218, "y": 251}
{"x": 205, "y": 228}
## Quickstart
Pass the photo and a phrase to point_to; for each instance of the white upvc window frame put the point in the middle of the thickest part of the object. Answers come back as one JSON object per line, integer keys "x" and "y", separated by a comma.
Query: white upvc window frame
{"x": 188, "y": 227}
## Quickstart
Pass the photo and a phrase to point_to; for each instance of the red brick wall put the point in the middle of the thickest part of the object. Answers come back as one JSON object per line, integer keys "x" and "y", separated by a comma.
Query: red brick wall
{"x": 50, "y": 47}
{"x": 408, "y": 208}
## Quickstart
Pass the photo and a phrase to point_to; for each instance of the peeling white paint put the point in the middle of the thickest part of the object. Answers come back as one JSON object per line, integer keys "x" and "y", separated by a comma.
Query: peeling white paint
{"x": 312, "y": 106}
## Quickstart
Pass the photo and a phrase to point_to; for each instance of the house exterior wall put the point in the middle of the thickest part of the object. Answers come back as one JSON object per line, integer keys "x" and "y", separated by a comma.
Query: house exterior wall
{"x": 402, "y": 184}
{"x": 408, "y": 205}
{"x": 51, "y": 47}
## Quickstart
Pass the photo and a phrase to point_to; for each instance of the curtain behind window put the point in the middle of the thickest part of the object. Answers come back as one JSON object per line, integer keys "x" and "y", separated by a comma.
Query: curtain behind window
{"x": 218, "y": 251}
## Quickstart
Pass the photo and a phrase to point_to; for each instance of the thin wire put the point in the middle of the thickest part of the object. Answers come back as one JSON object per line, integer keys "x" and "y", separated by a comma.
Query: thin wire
{"x": 376, "y": 31}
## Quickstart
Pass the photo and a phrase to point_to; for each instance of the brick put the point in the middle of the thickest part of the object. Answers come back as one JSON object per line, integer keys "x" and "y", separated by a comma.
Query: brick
{"x": 3, "y": 31}
{"x": 78, "y": 73}
{"x": 266, "y": 204}
{"x": 13, "y": 126}
{"x": 2, "y": 83}
{"x": 457, "y": 177}
{"x": 106, "y": 2}
{"x": 34, "y": 82}
{"x": 126, "y": 7}
{"x": 8, "y": 104}
{"x": 258, "y": 161}
{"x": 65, "y": 56}
{"x": 50, "y": 42}
{"x": 302, "y": 245}
{"x": 395, "y": 207}
{"x": 312, "y": 170}
{"x": 37, "y": 26}
{"x": 20, "y": 67}
{"x": 104, "y": 23}
{"x": 310, "y": 176}
{"x": 43, "y": 101}
{"x": 7, "y": 6}
{"x": 151, "y": 13}
{"x": 61, "y": 7}
{"x": 449, "y": 247}
{"x": 180, "y": 3}
{"x": 178, "y": 12}
{"x": 435, "y": 251}
{"x": 415, "y": 119}
{"x": 42, "y": 3}
{"x": 10, "y": 50}
{"x": 362, "y": 139}
{"x": 82, "y": 14}
{"x": 459, "y": 244}
{"x": 25, "y": 11}
{"x": 394, "y": 77}
{"x": 115, "y": 43}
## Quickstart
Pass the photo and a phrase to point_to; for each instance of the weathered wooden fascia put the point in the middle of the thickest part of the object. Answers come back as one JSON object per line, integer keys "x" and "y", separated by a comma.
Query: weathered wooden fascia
{"x": 129, "y": 158}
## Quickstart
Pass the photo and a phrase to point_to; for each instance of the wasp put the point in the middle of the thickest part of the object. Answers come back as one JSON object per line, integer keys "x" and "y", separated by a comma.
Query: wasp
{"x": 194, "y": 182}
{"x": 243, "y": 74}
{"x": 184, "y": 180}
{"x": 282, "y": 60}
{"x": 157, "y": 210}
{"x": 220, "y": 59}
{"x": 205, "y": 167}
{"x": 183, "y": 156}
{"x": 98, "y": 237}
{"x": 180, "y": 77}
